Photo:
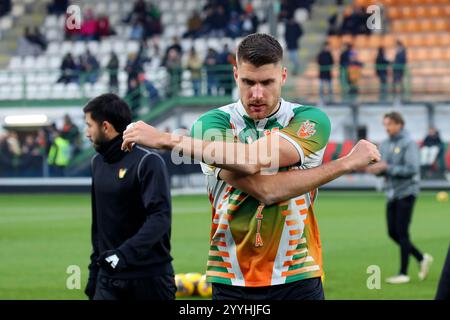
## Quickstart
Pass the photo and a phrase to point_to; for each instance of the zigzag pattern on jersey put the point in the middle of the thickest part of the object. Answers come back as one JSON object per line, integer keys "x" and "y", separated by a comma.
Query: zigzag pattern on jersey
{"x": 297, "y": 260}
{"x": 220, "y": 264}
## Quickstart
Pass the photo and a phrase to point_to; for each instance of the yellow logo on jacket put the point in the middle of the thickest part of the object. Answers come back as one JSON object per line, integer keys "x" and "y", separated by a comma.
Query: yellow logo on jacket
{"x": 122, "y": 172}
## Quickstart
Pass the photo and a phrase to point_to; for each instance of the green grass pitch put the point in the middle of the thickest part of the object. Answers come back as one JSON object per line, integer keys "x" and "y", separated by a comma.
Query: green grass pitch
{"x": 41, "y": 235}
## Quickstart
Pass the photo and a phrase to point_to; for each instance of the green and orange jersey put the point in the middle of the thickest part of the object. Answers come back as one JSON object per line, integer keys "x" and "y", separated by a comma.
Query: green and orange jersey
{"x": 252, "y": 244}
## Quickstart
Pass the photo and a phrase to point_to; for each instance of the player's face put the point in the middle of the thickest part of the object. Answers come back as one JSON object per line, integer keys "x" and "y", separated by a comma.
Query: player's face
{"x": 94, "y": 132}
{"x": 260, "y": 87}
{"x": 392, "y": 128}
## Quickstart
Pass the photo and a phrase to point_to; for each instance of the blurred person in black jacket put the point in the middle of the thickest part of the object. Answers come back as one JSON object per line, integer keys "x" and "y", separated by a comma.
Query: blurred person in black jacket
{"x": 131, "y": 212}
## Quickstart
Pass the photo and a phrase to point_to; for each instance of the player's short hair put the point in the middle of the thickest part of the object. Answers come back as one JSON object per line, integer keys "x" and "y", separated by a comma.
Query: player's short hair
{"x": 109, "y": 107}
{"x": 396, "y": 117}
{"x": 259, "y": 49}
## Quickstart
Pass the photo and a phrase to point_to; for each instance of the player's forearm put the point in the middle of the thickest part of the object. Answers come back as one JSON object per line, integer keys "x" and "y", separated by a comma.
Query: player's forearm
{"x": 285, "y": 185}
{"x": 236, "y": 157}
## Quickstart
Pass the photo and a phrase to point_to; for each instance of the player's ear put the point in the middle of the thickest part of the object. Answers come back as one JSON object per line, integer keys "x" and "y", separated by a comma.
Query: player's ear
{"x": 283, "y": 75}
{"x": 235, "y": 73}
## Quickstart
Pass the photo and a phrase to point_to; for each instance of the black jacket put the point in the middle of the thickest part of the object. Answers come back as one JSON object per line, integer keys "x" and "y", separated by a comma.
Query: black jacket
{"x": 325, "y": 61}
{"x": 131, "y": 210}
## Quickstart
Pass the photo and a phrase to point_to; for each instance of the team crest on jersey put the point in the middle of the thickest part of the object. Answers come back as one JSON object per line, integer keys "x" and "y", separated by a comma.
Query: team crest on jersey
{"x": 122, "y": 172}
{"x": 307, "y": 129}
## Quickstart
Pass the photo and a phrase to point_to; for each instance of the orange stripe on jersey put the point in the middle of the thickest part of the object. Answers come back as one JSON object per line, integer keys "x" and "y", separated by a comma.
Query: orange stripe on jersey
{"x": 220, "y": 274}
{"x": 233, "y": 207}
{"x": 294, "y": 242}
{"x": 216, "y": 216}
{"x": 291, "y": 222}
{"x": 292, "y": 252}
{"x": 294, "y": 232}
{"x": 219, "y": 264}
{"x": 223, "y": 226}
{"x": 219, "y": 235}
{"x": 228, "y": 217}
{"x": 294, "y": 262}
{"x": 300, "y": 270}
{"x": 219, "y": 243}
{"x": 286, "y": 212}
{"x": 300, "y": 202}
{"x": 219, "y": 206}
{"x": 218, "y": 254}
{"x": 303, "y": 211}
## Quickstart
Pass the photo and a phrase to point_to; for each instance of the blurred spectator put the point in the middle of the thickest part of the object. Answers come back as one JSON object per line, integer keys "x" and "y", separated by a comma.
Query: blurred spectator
{"x": 133, "y": 96}
{"x": 71, "y": 134}
{"x": 225, "y": 60}
{"x": 12, "y": 140}
{"x": 26, "y": 45}
{"x": 381, "y": 67}
{"x": 152, "y": 20}
{"x": 249, "y": 24}
{"x": 30, "y": 146}
{"x": 59, "y": 155}
{"x": 90, "y": 67}
{"x": 355, "y": 22}
{"x": 175, "y": 46}
{"x": 152, "y": 92}
{"x": 219, "y": 22}
{"x": 89, "y": 26}
{"x": 113, "y": 70}
{"x": 9, "y": 154}
{"x": 174, "y": 68}
{"x": 138, "y": 12}
{"x": 5, "y": 7}
{"x": 344, "y": 61}
{"x": 133, "y": 67}
{"x": 333, "y": 28}
{"x": 37, "y": 38}
{"x": 137, "y": 30}
{"x": 431, "y": 153}
{"x": 57, "y": 7}
{"x": 69, "y": 70}
{"x": 194, "y": 65}
{"x": 210, "y": 64}
{"x": 234, "y": 26}
{"x": 103, "y": 27}
{"x": 325, "y": 62}
{"x": 292, "y": 35}
{"x": 235, "y": 6}
{"x": 287, "y": 10}
{"x": 398, "y": 67}
{"x": 31, "y": 159}
{"x": 354, "y": 74}
{"x": 194, "y": 25}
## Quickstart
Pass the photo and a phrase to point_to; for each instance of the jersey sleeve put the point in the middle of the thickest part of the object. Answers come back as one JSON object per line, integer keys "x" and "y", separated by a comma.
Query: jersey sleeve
{"x": 214, "y": 125}
{"x": 309, "y": 131}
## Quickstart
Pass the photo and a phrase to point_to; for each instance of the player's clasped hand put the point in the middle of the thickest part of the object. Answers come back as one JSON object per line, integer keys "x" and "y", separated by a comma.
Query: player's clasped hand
{"x": 141, "y": 133}
{"x": 363, "y": 154}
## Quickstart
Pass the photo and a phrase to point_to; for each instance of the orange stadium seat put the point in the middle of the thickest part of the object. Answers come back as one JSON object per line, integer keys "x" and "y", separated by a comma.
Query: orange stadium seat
{"x": 335, "y": 42}
{"x": 394, "y": 13}
{"x": 375, "y": 41}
